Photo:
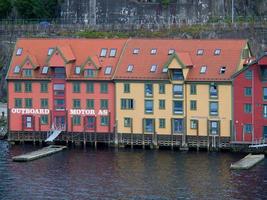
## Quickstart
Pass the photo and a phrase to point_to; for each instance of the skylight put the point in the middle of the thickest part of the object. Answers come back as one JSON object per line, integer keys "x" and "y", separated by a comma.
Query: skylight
{"x": 217, "y": 52}
{"x": 19, "y": 51}
{"x": 222, "y": 70}
{"x": 130, "y": 68}
{"x": 165, "y": 69}
{"x": 108, "y": 70}
{"x": 200, "y": 52}
{"x": 112, "y": 52}
{"x": 136, "y": 51}
{"x": 153, "y": 68}
{"x": 77, "y": 70}
{"x": 50, "y": 51}
{"x": 45, "y": 70}
{"x": 103, "y": 52}
{"x": 153, "y": 51}
{"x": 17, "y": 69}
{"x": 203, "y": 69}
{"x": 171, "y": 51}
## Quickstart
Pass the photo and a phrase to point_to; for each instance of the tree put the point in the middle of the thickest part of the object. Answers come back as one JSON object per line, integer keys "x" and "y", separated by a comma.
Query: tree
{"x": 5, "y": 8}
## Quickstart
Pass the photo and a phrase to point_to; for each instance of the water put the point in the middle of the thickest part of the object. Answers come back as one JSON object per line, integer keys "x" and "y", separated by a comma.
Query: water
{"x": 128, "y": 174}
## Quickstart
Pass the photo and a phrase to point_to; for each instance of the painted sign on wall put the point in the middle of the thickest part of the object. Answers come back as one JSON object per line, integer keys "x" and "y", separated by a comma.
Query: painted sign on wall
{"x": 30, "y": 111}
{"x": 88, "y": 112}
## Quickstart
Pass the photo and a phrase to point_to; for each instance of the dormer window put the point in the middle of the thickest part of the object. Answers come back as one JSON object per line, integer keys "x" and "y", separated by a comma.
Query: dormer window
{"x": 89, "y": 73}
{"x": 203, "y": 69}
{"x": 17, "y": 69}
{"x": 112, "y": 52}
{"x": 153, "y": 68}
{"x": 19, "y": 52}
{"x": 50, "y": 51}
{"x": 200, "y": 52}
{"x": 222, "y": 70}
{"x": 77, "y": 70}
{"x": 103, "y": 52}
{"x": 27, "y": 72}
{"x": 45, "y": 70}
{"x": 217, "y": 52}
{"x": 177, "y": 74}
{"x": 136, "y": 51}
{"x": 171, "y": 51}
{"x": 153, "y": 51}
{"x": 165, "y": 70}
{"x": 130, "y": 68}
{"x": 108, "y": 70}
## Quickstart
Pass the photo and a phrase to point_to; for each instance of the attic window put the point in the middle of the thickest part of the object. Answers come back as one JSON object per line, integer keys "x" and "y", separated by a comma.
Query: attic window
{"x": 108, "y": 70}
{"x": 153, "y": 68}
{"x": 112, "y": 52}
{"x": 136, "y": 51}
{"x": 203, "y": 69}
{"x": 27, "y": 72}
{"x": 45, "y": 70}
{"x": 171, "y": 51}
{"x": 103, "y": 52}
{"x": 19, "y": 51}
{"x": 17, "y": 69}
{"x": 200, "y": 52}
{"x": 77, "y": 70}
{"x": 50, "y": 51}
{"x": 130, "y": 68}
{"x": 222, "y": 70}
{"x": 153, "y": 51}
{"x": 165, "y": 70}
{"x": 217, "y": 52}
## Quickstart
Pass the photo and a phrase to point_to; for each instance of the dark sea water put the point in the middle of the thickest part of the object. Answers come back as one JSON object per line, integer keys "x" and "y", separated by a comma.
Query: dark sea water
{"x": 128, "y": 174}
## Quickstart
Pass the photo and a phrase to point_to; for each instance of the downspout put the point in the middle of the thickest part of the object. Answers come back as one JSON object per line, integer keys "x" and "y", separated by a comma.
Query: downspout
{"x": 253, "y": 106}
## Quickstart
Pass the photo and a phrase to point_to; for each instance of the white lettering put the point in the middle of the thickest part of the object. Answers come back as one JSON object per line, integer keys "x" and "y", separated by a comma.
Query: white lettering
{"x": 29, "y": 111}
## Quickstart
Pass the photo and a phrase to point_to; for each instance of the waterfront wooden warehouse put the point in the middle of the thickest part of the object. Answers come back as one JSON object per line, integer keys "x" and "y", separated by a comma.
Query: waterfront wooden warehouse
{"x": 125, "y": 91}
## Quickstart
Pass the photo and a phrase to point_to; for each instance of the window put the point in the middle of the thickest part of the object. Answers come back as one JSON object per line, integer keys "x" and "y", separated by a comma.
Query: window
{"x": 90, "y": 103}
{"x": 16, "y": 69}
{"x": 263, "y": 73}
{"x": 264, "y": 110}
{"x": 127, "y": 104}
{"x": 104, "y": 104}
{"x": 161, "y": 104}
{"x": 265, "y": 93}
{"x": 44, "y": 103}
{"x": 126, "y": 88}
{"x": 203, "y": 69}
{"x": 90, "y": 87}
{"x": 44, "y": 119}
{"x": 247, "y": 108}
{"x": 17, "y": 87}
{"x": 245, "y": 53}
{"x": 59, "y": 89}
{"x": 112, "y": 52}
{"x": 200, "y": 52}
{"x": 148, "y": 106}
{"x": 28, "y": 121}
{"x": 248, "y": 91}
{"x": 127, "y": 122}
{"x": 153, "y": 51}
{"x": 130, "y": 68}
{"x": 213, "y": 91}
{"x": 59, "y": 104}
{"x": 76, "y": 120}
{"x": 90, "y": 122}
{"x": 89, "y": 73}
{"x": 193, "y": 124}
{"x": 76, "y": 103}
{"x": 222, "y": 70}
{"x": 162, "y": 123}
{"x": 108, "y": 70}
{"x": 136, "y": 51}
{"x": 76, "y": 87}
{"x": 43, "y": 87}
{"x": 214, "y": 127}
{"x": 28, "y": 87}
{"x": 248, "y": 128}
{"x": 178, "y": 107}
{"x": 77, "y": 70}
{"x": 193, "y": 89}
{"x": 148, "y": 90}
{"x": 103, "y": 87}
{"x": 27, "y": 72}
{"x": 178, "y": 126}
{"x": 59, "y": 72}
{"x": 103, "y": 52}
{"x": 213, "y": 108}
{"x": 177, "y": 74}
{"x": 193, "y": 105}
{"x": 19, "y": 52}
{"x": 217, "y": 52}
{"x": 148, "y": 125}
{"x": 165, "y": 70}
{"x": 153, "y": 68}
{"x": 104, "y": 120}
{"x": 171, "y": 51}
{"x": 28, "y": 103}
{"x": 18, "y": 103}
{"x": 50, "y": 51}
{"x": 45, "y": 70}
{"x": 162, "y": 88}
{"x": 178, "y": 90}
{"x": 248, "y": 74}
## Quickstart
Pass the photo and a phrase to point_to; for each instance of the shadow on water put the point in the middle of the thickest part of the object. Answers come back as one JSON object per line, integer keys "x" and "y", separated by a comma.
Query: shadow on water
{"x": 128, "y": 174}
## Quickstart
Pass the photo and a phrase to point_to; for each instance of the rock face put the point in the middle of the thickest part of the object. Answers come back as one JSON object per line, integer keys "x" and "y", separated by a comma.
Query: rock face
{"x": 156, "y": 12}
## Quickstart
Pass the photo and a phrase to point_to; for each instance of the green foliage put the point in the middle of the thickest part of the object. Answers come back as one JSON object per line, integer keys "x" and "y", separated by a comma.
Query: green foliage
{"x": 165, "y": 3}
{"x": 5, "y": 8}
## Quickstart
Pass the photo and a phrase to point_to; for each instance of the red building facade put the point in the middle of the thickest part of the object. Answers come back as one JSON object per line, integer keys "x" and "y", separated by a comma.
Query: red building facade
{"x": 250, "y": 102}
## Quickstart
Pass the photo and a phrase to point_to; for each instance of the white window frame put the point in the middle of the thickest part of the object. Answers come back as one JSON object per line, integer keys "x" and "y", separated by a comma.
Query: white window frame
{"x": 19, "y": 51}
{"x": 108, "y": 70}
{"x": 112, "y": 52}
{"x": 223, "y": 70}
{"x": 103, "y": 52}
{"x": 45, "y": 70}
{"x": 17, "y": 69}
{"x": 50, "y": 51}
{"x": 77, "y": 70}
{"x": 171, "y": 51}
{"x": 200, "y": 52}
{"x": 153, "y": 51}
{"x": 136, "y": 51}
{"x": 153, "y": 68}
{"x": 217, "y": 52}
{"x": 203, "y": 69}
{"x": 130, "y": 68}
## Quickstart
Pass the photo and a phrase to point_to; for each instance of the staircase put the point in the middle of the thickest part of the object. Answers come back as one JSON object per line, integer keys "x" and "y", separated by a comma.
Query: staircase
{"x": 54, "y": 132}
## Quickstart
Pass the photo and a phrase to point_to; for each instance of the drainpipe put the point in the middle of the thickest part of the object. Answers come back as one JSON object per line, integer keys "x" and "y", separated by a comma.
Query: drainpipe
{"x": 253, "y": 107}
